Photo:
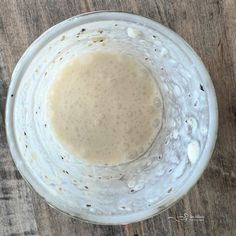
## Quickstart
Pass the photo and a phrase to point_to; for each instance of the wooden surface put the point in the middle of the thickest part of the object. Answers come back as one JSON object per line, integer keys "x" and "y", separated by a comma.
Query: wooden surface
{"x": 209, "y": 26}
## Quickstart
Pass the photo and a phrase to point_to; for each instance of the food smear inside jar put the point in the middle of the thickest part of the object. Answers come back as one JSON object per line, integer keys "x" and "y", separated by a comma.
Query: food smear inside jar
{"x": 105, "y": 108}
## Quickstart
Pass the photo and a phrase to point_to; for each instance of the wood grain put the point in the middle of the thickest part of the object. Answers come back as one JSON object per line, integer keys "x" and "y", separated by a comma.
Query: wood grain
{"x": 209, "y": 26}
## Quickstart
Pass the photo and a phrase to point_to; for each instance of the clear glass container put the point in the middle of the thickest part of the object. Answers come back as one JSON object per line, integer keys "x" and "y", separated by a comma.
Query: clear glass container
{"x": 130, "y": 191}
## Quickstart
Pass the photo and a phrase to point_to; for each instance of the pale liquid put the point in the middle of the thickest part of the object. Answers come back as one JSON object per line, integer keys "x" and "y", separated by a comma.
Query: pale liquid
{"x": 105, "y": 108}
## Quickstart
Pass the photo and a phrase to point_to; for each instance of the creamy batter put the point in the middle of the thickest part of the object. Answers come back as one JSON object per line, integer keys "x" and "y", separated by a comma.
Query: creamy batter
{"x": 105, "y": 108}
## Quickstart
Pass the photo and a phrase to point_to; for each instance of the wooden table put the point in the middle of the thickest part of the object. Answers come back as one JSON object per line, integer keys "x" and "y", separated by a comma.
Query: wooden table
{"x": 209, "y": 26}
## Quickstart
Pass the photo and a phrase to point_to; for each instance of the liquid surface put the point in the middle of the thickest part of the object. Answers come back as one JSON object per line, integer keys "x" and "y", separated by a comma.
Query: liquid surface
{"x": 105, "y": 108}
